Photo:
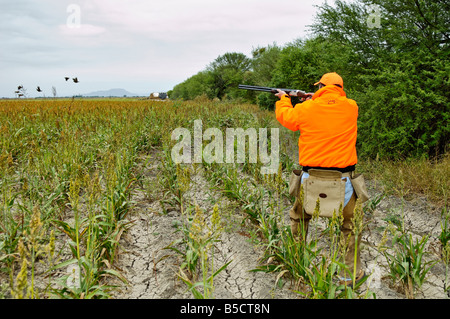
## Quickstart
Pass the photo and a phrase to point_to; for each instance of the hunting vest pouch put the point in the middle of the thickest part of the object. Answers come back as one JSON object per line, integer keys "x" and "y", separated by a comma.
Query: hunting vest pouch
{"x": 359, "y": 185}
{"x": 295, "y": 182}
{"x": 327, "y": 187}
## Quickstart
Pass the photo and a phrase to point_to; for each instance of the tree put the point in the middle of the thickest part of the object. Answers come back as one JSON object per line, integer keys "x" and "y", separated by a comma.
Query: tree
{"x": 400, "y": 72}
{"x": 264, "y": 62}
{"x": 227, "y": 71}
{"x": 220, "y": 79}
{"x": 198, "y": 84}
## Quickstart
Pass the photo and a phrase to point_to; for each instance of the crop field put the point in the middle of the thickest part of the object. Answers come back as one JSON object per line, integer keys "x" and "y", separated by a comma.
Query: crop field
{"x": 92, "y": 205}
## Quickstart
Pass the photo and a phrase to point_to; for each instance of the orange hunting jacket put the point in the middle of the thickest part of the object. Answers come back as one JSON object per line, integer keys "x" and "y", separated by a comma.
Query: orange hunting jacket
{"x": 327, "y": 124}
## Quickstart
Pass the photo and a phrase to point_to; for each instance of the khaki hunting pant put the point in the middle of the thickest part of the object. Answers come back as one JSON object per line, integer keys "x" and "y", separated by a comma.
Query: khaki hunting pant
{"x": 300, "y": 220}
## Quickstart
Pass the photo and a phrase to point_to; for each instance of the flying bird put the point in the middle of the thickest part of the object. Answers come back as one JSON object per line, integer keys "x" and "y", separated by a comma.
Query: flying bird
{"x": 75, "y": 80}
{"x": 20, "y": 87}
{"x": 66, "y": 78}
{"x": 39, "y": 89}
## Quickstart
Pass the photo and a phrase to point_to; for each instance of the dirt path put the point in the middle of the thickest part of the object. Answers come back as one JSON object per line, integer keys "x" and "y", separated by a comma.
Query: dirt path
{"x": 151, "y": 269}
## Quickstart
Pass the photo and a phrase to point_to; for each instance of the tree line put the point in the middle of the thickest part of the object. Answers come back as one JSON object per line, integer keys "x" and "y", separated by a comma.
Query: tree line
{"x": 396, "y": 66}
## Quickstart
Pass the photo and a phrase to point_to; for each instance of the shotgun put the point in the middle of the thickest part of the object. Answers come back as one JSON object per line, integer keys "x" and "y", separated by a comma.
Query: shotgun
{"x": 291, "y": 92}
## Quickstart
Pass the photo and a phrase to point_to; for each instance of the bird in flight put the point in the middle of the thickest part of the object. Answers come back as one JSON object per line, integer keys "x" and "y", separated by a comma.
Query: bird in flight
{"x": 66, "y": 78}
{"x": 75, "y": 80}
{"x": 39, "y": 89}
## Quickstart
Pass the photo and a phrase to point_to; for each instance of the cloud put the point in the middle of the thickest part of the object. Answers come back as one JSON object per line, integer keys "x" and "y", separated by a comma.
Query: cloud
{"x": 148, "y": 45}
{"x": 180, "y": 20}
{"x": 83, "y": 30}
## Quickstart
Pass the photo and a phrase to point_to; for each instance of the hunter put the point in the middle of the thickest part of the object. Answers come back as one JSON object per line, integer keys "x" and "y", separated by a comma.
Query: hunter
{"x": 327, "y": 121}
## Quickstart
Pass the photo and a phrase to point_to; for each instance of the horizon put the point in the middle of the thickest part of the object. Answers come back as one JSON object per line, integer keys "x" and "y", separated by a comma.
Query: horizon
{"x": 88, "y": 95}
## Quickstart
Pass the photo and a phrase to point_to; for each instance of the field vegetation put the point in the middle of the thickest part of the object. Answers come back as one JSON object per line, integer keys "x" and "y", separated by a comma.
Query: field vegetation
{"x": 69, "y": 169}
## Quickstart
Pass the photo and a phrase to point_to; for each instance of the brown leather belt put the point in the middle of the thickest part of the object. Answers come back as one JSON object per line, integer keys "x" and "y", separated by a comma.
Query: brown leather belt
{"x": 347, "y": 169}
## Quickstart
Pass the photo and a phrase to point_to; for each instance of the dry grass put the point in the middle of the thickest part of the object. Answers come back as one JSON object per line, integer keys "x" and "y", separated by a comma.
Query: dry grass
{"x": 411, "y": 177}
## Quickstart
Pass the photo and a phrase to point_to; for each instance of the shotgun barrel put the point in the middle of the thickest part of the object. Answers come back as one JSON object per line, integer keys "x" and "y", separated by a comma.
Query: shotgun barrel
{"x": 271, "y": 90}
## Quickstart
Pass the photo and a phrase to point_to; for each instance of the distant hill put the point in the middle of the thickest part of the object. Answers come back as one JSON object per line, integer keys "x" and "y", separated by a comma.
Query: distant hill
{"x": 112, "y": 92}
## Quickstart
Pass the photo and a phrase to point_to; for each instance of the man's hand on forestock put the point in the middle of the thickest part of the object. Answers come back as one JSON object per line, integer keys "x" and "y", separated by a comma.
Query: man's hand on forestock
{"x": 280, "y": 93}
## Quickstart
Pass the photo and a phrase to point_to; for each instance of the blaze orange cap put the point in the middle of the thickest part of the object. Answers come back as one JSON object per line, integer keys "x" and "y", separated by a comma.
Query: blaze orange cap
{"x": 330, "y": 79}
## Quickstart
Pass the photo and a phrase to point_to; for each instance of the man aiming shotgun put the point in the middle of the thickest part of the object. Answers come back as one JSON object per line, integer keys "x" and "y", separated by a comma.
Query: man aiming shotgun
{"x": 327, "y": 121}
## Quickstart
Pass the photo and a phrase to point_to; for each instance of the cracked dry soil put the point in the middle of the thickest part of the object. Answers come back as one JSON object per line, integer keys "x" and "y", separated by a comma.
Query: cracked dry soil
{"x": 151, "y": 270}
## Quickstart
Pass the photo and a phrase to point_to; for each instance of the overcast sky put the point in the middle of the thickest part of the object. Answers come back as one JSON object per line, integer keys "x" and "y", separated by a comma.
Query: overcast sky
{"x": 141, "y": 46}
